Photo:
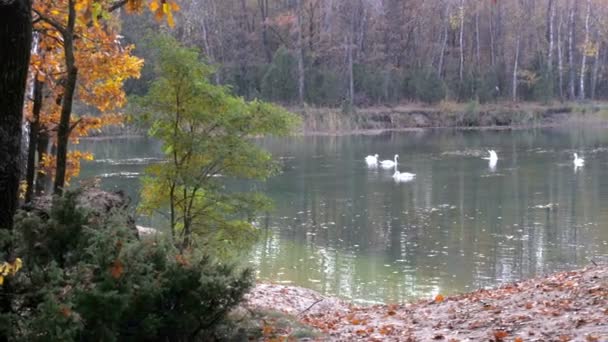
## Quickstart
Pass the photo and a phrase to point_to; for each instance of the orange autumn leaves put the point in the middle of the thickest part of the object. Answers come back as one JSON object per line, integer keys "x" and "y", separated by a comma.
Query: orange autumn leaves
{"x": 104, "y": 63}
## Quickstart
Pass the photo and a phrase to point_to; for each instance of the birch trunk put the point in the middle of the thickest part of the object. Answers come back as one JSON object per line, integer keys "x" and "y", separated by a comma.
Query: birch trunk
{"x": 571, "y": 26}
{"x": 461, "y": 40}
{"x": 560, "y": 62}
{"x": 300, "y": 54}
{"x": 351, "y": 79}
{"x": 550, "y": 52}
{"x": 445, "y": 39}
{"x": 515, "y": 66}
{"x": 584, "y": 57}
{"x": 477, "y": 49}
{"x": 492, "y": 53}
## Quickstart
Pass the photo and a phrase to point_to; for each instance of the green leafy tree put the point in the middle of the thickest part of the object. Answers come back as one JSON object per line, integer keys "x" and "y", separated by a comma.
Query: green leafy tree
{"x": 207, "y": 137}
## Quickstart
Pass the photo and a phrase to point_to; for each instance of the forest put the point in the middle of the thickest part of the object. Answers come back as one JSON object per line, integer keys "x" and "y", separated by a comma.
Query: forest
{"x": 374, "y": 52}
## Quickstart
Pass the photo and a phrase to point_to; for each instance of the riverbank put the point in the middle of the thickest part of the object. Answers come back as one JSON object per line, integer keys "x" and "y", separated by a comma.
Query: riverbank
{"x": 448, "y": 115}
{"x": 566, "y": 306}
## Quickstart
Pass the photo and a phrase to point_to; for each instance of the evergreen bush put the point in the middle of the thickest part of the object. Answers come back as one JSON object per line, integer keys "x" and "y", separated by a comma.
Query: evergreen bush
{"x": 91, "y": 279}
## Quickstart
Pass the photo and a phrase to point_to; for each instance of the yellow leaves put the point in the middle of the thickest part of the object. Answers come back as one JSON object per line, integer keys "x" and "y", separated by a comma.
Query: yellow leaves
{"x": 590, "y": 49}
{"x": 162, "y": 9}
{"x": 48, "y": 163}
{"x": 9, "y": 269}
{"x": 22, "y": 189}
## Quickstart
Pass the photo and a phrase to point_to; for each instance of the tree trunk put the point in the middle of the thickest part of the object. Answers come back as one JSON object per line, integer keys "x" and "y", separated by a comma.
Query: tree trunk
{"x": 584, "y": 57}
{"x": 445, "y": 39}
{"x": 300, "y": 54}
{"x": 560, "y": 61}
{"x": 63, "y": 130}
{"x": 596, "y": 68}
{"x": 15, "y": 44}
{"x": 33, "y": 140}
{"x": 515, "y": 66}
{"x": 551, "y": 14}
{"x": 263, "y": 4}
{"x": 351, "y": 80}
{"x": 492, "y": 52}
{"x": 571, "y": 37}
{"x": 461, "y": 40}
{"x": 42, "y": 179}
{"x": 477, "y": 47}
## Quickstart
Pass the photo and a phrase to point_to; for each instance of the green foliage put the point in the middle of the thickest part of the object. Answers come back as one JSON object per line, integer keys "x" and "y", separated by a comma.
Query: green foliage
{"x": 104, "y": 284}
{"x": 324, "y": 87}
{"x": 279, "y": 82}
{"x": 426, "y": 86}
{"x": 368, "y": 84}
{"x": 206, "y": 134}
{"x": 542, "y": 90}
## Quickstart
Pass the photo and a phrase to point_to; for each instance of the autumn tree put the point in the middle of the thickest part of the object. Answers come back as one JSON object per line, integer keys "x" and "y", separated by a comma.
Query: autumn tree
{"x": 79, "y": 38}
{"x": 206, "y": 134}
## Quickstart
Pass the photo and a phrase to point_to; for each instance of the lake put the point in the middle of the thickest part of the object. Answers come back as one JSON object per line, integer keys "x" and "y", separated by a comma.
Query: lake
{"x": 349, "y": 231}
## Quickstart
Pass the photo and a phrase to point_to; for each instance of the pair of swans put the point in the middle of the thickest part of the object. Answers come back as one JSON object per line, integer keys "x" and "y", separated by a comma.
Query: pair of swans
{"x": 385, "y": 164}
{"x": 389, "y": 164}
{"x": 372, "y": 161}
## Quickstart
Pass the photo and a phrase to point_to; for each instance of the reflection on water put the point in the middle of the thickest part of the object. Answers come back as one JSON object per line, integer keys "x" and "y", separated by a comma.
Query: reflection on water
{"x": 344, "y": 229}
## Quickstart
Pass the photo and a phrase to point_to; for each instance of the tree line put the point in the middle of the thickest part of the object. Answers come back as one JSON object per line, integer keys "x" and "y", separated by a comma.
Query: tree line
{"x": 369, "y": 52}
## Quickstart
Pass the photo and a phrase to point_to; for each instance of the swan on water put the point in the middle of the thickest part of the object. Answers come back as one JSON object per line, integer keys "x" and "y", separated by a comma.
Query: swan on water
{"x": 403, "y": 176}
{"x": 493, "y": 159}
{"x": 493, "y": 156}
{"x": 372, "y": 160}
{"x": 389, "y": 164}
{"x": 578, "y": 162}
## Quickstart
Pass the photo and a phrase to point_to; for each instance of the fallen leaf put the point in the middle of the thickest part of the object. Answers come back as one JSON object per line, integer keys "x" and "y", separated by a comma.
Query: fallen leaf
{"x": 392, "y": 313}
{"x": 518, "y": 339}
{"x": 499, "y": 335}
{"x": 439, "y": 298}
{"x": 267, "y": 330}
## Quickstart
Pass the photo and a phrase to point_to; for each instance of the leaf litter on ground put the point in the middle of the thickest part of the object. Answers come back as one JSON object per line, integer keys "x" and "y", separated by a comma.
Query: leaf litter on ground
{"x": 565, "y": 306}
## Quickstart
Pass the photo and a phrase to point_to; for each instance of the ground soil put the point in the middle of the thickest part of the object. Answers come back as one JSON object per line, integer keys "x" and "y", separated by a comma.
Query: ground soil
{"x": 567, "y": 306}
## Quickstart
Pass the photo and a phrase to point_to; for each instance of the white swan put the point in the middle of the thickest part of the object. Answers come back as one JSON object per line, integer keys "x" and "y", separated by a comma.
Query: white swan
{"x": 578, "y": 162}
{"x": 389, "y": 164}
{"x": 372, "y": 160}
{"x": 403, "y": 176}
{"x": 493, "y": 156}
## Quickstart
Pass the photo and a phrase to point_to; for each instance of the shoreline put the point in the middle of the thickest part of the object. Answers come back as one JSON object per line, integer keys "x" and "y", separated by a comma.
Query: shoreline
{"x": 563, "y": 306}
{"x": 416, "y": 118}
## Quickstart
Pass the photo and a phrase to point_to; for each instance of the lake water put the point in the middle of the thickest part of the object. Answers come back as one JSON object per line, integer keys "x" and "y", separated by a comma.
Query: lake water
{"x": 343, "y": 229}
